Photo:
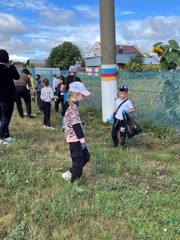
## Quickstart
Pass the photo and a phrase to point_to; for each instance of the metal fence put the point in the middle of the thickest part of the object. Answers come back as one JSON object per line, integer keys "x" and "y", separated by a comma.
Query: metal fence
{"x": 155, "y": 95}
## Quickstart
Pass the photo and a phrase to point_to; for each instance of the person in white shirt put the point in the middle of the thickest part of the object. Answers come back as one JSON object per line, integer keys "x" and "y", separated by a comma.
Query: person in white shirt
{"x": 47, "y": 95}
{"x": 122, "y": 105}
{"x": 55, "y": 82}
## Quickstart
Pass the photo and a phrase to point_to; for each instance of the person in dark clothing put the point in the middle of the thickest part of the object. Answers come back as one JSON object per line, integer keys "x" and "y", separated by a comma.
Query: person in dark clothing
{"x": 23, "y": 92}
{"x": 59, "y": 92}
{"x": 37, "y": 88}
{"x": 8, "y": 73}
{"x": 71, "y": 77}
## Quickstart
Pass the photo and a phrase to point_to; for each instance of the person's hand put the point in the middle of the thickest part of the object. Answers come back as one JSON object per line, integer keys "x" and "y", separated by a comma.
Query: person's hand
{"x": 32, "y": 92}
{"x": 83, "y": 146}
{"x": 111, "y": 119}
{"x": 125, "y": 111}
{"x": 83, "y": 143}
{"x": 56, "y": 98}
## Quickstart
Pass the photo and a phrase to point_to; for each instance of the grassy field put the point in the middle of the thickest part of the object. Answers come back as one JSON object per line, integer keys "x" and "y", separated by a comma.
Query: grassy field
{"x": 128, "y": 194}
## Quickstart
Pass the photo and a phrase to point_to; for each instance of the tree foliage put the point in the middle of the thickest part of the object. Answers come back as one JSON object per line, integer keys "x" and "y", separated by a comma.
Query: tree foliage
{"x": 64, "y": 55}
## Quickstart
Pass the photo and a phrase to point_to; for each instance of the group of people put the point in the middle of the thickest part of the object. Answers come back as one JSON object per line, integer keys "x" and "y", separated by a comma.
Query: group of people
{"x": 69, "y": 92}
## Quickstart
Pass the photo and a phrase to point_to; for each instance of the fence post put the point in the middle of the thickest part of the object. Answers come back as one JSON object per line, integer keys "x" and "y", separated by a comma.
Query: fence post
{"x": 51, "y": 78}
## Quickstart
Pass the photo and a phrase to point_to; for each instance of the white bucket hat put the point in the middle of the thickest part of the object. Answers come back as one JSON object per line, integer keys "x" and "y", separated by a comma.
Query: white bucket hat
{"x": 78, "y": 87}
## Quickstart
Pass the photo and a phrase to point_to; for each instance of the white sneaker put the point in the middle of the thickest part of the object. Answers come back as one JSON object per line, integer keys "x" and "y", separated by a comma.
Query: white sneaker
{"x": 67, "y": 176}
{"x": 3, "y": 142}
{"x": 51, "y": 128}
{"x": 9, "y": 139}
{"x": 44, "y": 126}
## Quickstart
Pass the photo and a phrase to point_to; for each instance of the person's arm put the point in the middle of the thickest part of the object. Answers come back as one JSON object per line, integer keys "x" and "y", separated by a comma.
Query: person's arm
{"x": 30, "y": 85}
{"x": 77, "y": 127}
{"x": 62, "y": 87}
{"x": 32, "y": 81}
{"x": 63, "y": 84}
{"x": 131, "y": 110}
{"x": 29, "y": 82}
{"x": 79, "y": 132}
{"x": 130, "y": 107}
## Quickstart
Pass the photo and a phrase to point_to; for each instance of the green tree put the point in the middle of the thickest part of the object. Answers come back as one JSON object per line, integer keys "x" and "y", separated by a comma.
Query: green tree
{"x": 64, "y": 55}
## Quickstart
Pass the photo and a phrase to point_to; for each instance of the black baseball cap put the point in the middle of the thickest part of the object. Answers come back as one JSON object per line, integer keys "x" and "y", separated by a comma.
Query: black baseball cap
{"x": 123, "y": 88}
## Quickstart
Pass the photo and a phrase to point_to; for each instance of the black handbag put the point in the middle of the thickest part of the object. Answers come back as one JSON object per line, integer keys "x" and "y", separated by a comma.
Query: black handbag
{"x": 131, "y": 126}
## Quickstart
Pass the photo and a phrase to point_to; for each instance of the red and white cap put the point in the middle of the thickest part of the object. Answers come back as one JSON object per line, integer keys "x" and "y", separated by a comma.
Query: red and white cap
{"x": 78, "y": 87}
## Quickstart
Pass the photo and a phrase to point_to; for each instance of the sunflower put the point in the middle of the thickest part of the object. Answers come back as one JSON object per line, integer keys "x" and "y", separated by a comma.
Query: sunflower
{"x": 158, "y": 50}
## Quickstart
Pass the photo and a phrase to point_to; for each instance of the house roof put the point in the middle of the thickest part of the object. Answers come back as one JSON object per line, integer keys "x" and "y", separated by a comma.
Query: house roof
{"x": 120, "y": 49}
{"x": 129, "y": 49}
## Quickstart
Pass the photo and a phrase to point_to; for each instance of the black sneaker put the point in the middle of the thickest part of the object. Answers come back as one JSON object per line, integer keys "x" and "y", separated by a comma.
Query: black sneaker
{"x": 115, "y": 145}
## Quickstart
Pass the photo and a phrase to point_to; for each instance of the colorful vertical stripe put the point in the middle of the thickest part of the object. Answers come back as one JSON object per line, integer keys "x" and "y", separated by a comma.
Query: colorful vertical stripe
{"x": 108, "y": 72}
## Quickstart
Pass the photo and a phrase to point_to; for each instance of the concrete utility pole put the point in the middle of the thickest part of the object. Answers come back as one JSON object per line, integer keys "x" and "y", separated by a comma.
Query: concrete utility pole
{"x": 108, "y": 61}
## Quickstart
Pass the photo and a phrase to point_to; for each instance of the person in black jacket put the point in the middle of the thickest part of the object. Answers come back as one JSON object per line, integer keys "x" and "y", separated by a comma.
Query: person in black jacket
{"x": 71, "y": 77}
{"x": 38, "y": 85}
{"x": 8, "y": 73}
{"x": 59, "y": 93}
{"x": 23, "y": 92}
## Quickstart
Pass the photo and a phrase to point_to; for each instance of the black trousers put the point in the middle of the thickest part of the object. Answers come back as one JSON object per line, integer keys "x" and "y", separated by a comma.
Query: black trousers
{"x": 6, "y": 111}
{"x": 118, "y": 127}
{"x": 46, "y": 107}
{"x": 39, "y": 101}
{"x": 79, "y": 159}
{"x": 58, "y": 101}
{"x": 23, "y": 93}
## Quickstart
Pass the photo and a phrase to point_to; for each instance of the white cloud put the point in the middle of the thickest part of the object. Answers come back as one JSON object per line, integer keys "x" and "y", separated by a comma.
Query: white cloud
{"x": 30, "y": 4}
{"x": 127, "y": 13}
{"x": 60, "y": 25}
{"x": 145, "y": 33}
{"x": 55, "y": 17}
{"x": 10, "y": 24}
{"x": 18, "y": 58}
{"x": 87, "y": 12}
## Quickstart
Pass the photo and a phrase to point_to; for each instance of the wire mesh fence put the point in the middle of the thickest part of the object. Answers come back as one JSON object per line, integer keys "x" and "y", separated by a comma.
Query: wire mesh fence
{"x": 156, "y": 96}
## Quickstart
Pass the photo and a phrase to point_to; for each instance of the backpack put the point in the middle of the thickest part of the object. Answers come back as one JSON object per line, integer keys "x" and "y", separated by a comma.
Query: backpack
{"x": 131, "y": 126}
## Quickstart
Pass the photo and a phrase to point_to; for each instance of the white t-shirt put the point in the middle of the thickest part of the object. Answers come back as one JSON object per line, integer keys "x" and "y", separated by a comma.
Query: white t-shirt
{"x": 126, "y": 106}
{"x": 47, "y": 94}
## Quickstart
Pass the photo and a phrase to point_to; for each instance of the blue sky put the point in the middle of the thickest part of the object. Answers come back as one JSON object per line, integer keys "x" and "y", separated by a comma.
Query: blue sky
{"x": 29, "y": 29}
